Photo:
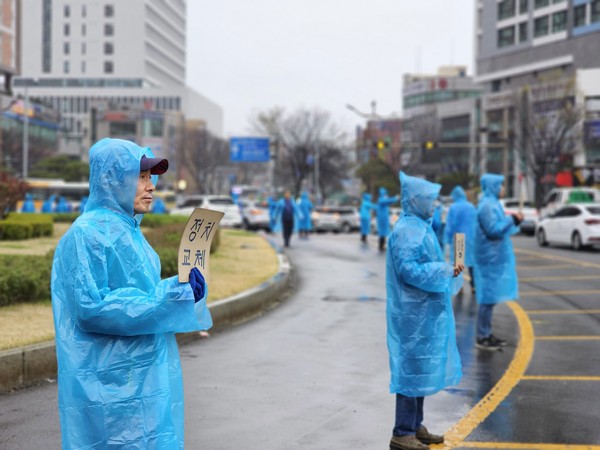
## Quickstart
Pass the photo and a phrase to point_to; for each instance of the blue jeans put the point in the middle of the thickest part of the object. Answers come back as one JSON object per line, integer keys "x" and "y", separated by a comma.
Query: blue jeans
{"x": 484, "y": 321}
{"x": 409, "y": 415}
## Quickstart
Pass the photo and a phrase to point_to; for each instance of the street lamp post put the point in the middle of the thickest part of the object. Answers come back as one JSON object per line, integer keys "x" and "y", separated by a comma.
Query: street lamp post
{"x": 26, "y": 132}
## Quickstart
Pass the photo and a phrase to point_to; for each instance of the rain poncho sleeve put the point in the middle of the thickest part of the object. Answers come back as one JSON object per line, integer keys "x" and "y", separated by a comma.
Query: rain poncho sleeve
{"x": 495, "y": 265}
{"x": 421, "y": 334}
{"x": 119, "y": 374}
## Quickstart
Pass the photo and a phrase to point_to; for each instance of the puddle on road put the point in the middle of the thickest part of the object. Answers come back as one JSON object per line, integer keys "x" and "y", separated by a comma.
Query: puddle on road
{"x": 362, "y": 298}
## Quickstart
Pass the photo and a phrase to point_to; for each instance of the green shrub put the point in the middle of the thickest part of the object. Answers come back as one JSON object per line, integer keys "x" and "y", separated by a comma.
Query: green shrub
{"x": 15, "y": 231}
{"x": 64, "y": 217}
{"x": 168, "y": 261}
{"x": 24, "y": 278}
{"x": 25, "y": 226}
{"x": 160, "y": 220}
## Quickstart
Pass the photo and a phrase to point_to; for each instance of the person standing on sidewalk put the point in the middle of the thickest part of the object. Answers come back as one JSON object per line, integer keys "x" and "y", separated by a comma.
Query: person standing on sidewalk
{"x": 383, "y": 215}
{"x": 495, "y": 267}
{"x": 306, "y": 207}
{"x": 119, "y": 375}
{"x": 461, "y": 219}
{"x": 421, "y": 336}
{"x": 366, "y": 207}
{"x": 288, "y": 216}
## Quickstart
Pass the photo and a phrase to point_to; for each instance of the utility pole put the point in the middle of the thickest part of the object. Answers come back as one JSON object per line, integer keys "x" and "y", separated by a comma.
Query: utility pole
{"x": 505, "y": 148}
{"x": 26, "y": 132}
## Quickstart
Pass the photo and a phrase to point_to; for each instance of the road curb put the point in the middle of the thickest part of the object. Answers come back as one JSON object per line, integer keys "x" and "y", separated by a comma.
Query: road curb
{"x": 32, "y": 364}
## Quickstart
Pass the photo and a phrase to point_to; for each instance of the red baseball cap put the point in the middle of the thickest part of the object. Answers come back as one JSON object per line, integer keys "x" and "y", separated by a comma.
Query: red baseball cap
{"x": 156, "y": 166}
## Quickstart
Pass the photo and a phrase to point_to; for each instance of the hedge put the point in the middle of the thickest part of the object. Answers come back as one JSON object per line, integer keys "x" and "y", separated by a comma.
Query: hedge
{"x": 26, "y": 226}
{"x": 24, "y": 278}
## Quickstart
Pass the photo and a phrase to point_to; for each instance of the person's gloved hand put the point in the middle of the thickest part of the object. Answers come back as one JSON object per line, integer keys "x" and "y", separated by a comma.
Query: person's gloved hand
{"x": 197, "y": 284}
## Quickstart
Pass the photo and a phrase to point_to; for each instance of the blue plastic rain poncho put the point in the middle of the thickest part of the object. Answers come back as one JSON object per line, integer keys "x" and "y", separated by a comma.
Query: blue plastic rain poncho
{"x": 461, "y": 219}
{"x": 495, "y": 268}
{"x": 306, "y": 208}
{"x": 82, "y": 203}
{"x": 272, "y": 204}
{"x": 383, "y": 212}
{"x": 366, "y": 206}
{"x": 119, "y": 375}
{"x": 48, "y": 205}
{"x": 279, "y": 207}
{"x": 28, "y": 205}
{"x": 437, "y": 222}
{"x": 420, "y": 322}
{"x": 63, "y": 205}
{"x": 158, "y": 206}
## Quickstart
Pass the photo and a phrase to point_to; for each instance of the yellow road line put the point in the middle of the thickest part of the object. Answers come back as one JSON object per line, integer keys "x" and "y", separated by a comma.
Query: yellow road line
{"x": 533, "y": 293}
{"x": 563, "y": 311}
{"x": 557, "y": 278}
{"x": 559, "y": 378}
{"x": 557, "y": 258}
{"x": 567, "y": 338}
{"x": 527, "y": 446}
{"x": 458, "y": 433}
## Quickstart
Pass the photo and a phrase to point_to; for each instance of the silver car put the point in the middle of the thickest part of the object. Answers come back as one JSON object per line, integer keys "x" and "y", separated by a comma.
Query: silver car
{"x": 223, "y": 203}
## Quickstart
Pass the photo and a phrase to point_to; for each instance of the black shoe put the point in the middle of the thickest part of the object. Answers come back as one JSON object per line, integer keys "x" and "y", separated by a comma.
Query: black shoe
{"x": 487, "y": 344}
{"x": 497, "y": 341}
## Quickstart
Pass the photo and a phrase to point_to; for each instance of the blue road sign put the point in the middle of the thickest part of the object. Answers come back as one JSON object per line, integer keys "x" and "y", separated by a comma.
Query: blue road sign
{"x": 249, "y": 149}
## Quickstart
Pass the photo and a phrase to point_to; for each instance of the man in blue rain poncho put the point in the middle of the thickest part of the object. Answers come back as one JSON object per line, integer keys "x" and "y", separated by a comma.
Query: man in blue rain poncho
{"x": 495, "y": 267}
{"x": 306, "y": 207}
{"x": 287, "y": 217}
{"x": 119, "y": 374}
{"x": 366, "y": 206}
{"x": 420, "y": 322}
{"x": 461, "y": 219}
{"x": 272, "y": 205}
{"x": 28, "y": 205}
{"x": 383, "y": 215}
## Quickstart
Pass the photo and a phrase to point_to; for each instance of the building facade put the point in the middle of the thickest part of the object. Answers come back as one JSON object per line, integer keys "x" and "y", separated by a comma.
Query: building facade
{"x": 131, "y": 53}
{"x": 546, "y": 52}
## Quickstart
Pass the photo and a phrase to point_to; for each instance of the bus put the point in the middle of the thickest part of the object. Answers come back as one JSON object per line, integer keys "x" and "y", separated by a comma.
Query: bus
{"x": 42, "y": 188}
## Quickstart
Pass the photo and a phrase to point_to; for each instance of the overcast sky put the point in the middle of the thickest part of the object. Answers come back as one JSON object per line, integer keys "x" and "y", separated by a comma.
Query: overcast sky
{"x": 251, "y": 55}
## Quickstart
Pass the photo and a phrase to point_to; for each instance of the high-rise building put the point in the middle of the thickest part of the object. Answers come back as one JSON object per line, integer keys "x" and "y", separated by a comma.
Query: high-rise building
{"x": 545, "y": 53}
{"x": 9, "y": 56}
{"x": 80, "y": 53}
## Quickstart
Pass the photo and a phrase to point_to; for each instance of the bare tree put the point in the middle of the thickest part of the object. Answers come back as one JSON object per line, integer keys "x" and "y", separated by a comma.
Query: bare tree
{"x": 203, "y": 156}
{"x": 300, "y": 138}
{"x": 549, "y": 128}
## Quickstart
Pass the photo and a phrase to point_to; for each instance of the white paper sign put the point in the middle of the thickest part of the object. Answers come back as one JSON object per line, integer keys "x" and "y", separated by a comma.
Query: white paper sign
{"x": 459, "y": 249}
{"x": 194, "y": 247}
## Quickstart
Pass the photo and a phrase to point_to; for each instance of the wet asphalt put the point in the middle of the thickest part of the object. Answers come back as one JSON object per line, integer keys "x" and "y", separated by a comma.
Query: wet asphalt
{"x": 313, "y": 372}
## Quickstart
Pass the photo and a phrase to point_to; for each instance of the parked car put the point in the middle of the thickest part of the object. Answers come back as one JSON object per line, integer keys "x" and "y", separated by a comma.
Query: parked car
{"x": 576, "y": 224}
{"x": 343, "y": 219}
{"x": 530, "y": 215}
{"x": 559, "y": 197}
{"x": 255, "y": 215}
{"x": 223, "y": 203}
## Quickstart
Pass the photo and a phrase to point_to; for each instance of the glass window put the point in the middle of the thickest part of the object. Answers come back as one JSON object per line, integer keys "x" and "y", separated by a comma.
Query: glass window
{"x": 83, "y": 10}
{"x": 541, "y": 26}
{"x": 108, "y": 48}
{"x": 541, "y": 3}
{"x": 523, "y": 6}
{"x": 595, "y": 11}
{"x": 67, "y": 29}
{"x": 557, "y": 1}
{"x": 506, "y": 9}
{"x": 109, "y": 29}
{"x": 83, "y": 29}
{"x": 83, "y": 48}
{"x": 67, "y": 10}
{"x": 109, "y": 10}
{"x": 506, "y": 37}
{"x": 66, "y": 48}
{"x": 559, "y": 21}
{"x": 522, "y": 31}
{"x": 579, "y": 16}
{"x": 66, "y": 67}
{"x": 108, "y": 67}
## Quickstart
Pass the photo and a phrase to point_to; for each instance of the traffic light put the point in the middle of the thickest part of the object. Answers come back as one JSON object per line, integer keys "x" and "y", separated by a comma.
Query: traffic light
{"x": 429, "y": 145}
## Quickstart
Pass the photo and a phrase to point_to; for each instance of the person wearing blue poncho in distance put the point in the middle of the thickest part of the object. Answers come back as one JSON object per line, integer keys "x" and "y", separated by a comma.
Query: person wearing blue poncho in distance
{"x": 421, "y": 335}
{"x": 158, "y": 206}
{"x": 28, "y": 205}
{"x": 461, "y": 219}
{"x": 287, "y": 217}
{"x": 495, "y": 267}
{"x": 383, "y": 215}
{"x": 82, "y": 203}
{"x": 306, "y": 207}
{"x": 48, "y": 205}
{"x": 366, "y": 206}
{"x": 272, "y": 205}
{"x": 119, "y": 373}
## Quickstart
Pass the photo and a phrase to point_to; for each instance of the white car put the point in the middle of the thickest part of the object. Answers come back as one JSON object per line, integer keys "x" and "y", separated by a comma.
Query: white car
{"x": 576, "y": 224}
{"x": 255, "y": 215}
{"x": 559, "y": 197}
{"x": 530, "y": 215}
{"x": 223, "y": 203}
